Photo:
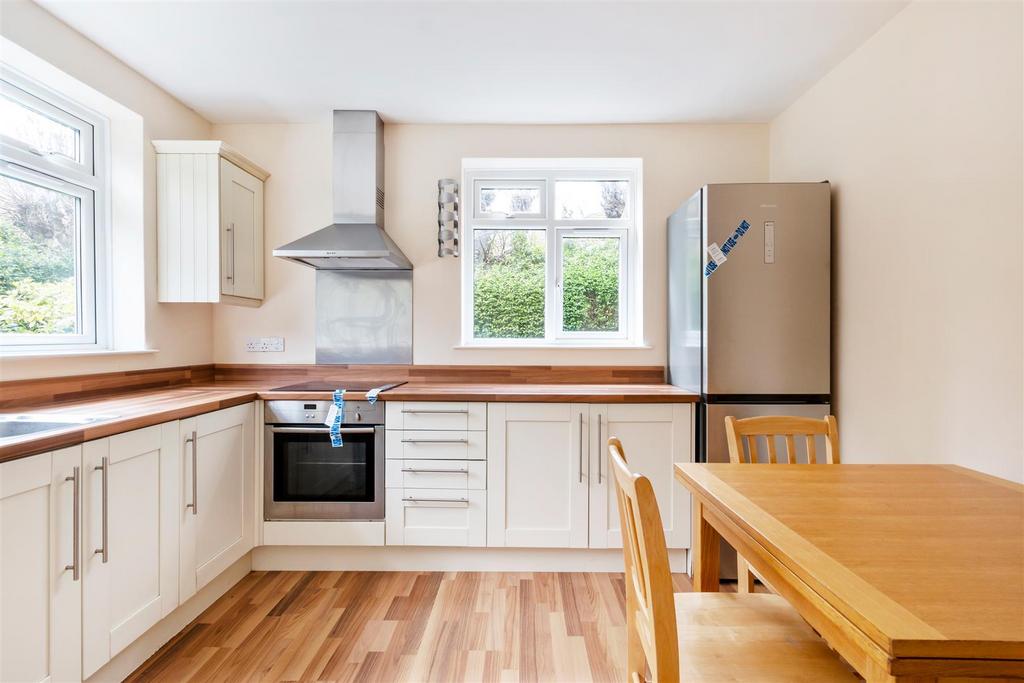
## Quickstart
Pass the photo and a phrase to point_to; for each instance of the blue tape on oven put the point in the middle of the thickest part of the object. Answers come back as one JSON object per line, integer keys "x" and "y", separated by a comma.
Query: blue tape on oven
{"x": 335, "y": 418}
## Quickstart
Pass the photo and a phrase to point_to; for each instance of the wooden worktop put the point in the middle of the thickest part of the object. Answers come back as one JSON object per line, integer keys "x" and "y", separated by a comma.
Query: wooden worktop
{"x": 136, "y": 400}
{"x": 544, "y": 393}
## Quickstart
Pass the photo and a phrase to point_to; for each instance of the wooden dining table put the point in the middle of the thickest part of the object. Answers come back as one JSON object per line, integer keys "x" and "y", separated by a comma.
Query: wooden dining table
{"x": 909, "y": 572}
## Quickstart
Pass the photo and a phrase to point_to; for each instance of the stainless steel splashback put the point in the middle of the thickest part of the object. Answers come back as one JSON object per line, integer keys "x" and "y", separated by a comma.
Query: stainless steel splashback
{"x": 363, "y": 316}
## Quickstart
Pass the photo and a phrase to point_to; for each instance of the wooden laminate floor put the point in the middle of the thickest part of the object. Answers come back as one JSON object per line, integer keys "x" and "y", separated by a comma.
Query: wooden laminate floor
{"x": 405, "y": 626}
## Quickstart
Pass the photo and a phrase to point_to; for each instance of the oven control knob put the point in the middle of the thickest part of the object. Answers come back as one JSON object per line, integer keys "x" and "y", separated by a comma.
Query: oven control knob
{"x": 358, "y": 416}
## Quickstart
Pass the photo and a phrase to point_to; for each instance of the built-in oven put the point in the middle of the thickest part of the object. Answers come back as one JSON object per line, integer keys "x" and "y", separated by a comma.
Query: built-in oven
{"x": 306, "y": 478}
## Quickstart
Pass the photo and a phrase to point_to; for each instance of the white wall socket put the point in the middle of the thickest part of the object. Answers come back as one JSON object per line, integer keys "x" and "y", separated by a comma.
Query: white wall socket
{"x": 262, "y": 344}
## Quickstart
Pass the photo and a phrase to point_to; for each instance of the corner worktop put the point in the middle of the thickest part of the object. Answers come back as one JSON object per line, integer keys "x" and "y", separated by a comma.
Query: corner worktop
{"x": 145, "y": 407}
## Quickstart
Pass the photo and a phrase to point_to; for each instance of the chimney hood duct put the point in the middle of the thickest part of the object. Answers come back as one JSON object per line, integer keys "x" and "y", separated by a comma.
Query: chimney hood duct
{"x": 356, "y": 240}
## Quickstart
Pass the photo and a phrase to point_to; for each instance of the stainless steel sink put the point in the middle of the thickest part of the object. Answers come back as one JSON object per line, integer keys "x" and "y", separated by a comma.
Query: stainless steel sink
{"x": 20, "y": 425}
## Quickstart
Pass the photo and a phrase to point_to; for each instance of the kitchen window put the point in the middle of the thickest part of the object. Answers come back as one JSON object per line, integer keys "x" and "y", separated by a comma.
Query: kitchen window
{"x": 552, "y": 255}
{"x": 53, "y": 187}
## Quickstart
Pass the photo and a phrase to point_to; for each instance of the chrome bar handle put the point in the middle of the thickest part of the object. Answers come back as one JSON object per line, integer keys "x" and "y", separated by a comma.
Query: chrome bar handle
{"x": 462, "y": 501}
{"x": 417, "y": 470}
{"x": 580, "y": 480}
{"x": 231, "y": 229}
{"x": 321, "y": 430}
{"x": 600, "y": 449}
{"x": 75, "y": 519}
{"x": 105, "y": 469}
{"x": 195, "y": 474}
{"x": 409, "y": 411}
{"x": 435, "y": 440}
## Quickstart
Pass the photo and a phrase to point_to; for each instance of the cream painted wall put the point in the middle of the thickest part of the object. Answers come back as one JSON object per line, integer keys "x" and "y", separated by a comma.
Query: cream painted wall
{"x": 677, "y": 160}
{"x": 181, "y": 332}
{"x": 920, "y": 130}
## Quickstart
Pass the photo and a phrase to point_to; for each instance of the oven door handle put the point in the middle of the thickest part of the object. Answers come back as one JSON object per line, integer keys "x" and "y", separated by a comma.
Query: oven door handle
{"x": 320, "y": 430}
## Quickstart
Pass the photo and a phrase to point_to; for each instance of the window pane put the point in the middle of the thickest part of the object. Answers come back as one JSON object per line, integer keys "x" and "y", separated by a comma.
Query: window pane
{"x": 593, "y": 199}
{"x": 590, "y": 284}
{"x": 37, "y": 130}
{"x": 510, "y": 201}
{"x": 38, "y": 274}
{"x": 508, "y": 284}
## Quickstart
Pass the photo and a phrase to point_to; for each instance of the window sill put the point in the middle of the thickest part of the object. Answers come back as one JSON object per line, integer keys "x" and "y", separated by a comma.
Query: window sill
{"x": 67, "y": 353}
{"x": 614, "y": 346}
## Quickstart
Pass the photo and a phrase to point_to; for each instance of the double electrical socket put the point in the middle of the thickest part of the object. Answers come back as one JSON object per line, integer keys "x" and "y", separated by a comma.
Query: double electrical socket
{"x": 262, "y": 344}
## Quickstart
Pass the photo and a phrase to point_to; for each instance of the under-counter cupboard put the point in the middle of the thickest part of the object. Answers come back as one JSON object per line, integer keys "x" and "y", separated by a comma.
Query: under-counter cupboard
{"x": 548, "y": 471}
{"x": 93, "y": 538}
{"x": 209, "y": 223}
{"x": 436, "y": 474}
{"x": 101, "y": 541}
{"x": 527, "y": 475}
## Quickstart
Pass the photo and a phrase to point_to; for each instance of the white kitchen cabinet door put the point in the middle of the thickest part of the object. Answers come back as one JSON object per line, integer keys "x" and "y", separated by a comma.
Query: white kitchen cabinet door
{"x": 129, "y": 539}
{"x": 537, "y": 478}
{"x": 654, "y": 437}
{"x": 241, "y": 232}
{"x": 216, "y": 497}
{"x": 40, "y": 598}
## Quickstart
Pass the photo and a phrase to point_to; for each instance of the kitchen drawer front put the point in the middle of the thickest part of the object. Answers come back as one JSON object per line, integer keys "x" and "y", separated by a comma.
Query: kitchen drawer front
{"x": 437, "y": 474}
{"x": 436, "y": 445}
{"x": 447, "y": 517}
{"x": 435, "y": 415}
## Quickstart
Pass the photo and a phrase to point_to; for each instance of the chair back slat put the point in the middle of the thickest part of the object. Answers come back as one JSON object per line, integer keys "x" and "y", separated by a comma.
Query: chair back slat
{"x": 790, "y": 449}
{"x": 770, "y": 427}
{"x": 650, "y": 604}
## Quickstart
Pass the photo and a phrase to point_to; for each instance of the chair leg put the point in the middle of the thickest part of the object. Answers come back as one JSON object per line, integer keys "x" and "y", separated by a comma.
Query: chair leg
{"x": 744, "y": 577}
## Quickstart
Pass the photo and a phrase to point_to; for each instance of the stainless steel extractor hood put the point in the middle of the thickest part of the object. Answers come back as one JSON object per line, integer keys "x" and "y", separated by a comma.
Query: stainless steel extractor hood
{"x": 356, "y": 240}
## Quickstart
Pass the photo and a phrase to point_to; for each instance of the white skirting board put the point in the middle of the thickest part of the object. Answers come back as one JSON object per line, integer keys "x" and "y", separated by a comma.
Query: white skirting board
{"x": 418, "y": 558}
{"x": 129, "y": 659}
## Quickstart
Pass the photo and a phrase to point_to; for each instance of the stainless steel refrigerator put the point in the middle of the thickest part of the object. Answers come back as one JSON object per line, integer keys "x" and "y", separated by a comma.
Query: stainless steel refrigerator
{"x": 749, "y": 305}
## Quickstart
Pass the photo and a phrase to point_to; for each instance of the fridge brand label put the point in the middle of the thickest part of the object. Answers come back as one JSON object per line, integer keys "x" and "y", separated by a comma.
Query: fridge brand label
{"x": 718, "y": 254}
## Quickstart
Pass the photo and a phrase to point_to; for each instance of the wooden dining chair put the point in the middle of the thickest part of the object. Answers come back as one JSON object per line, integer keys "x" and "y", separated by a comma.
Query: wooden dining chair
{"x": 771, "y": 428}
{"x": 703, "y": 636}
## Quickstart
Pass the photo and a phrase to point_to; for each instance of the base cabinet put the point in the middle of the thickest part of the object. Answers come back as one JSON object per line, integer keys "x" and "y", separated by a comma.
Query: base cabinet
{"x": 654, "y": 436}
{"x": 215, "y": 504}
{"x": 129, "y": 539}
{"x": 40, "y": 597}
{"x": 547, "y": 471}
{"x": 537, "y": 475}
{"x": 436, "y": 474}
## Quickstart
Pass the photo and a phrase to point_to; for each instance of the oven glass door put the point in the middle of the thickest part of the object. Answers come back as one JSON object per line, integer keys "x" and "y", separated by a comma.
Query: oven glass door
{"x": 310, "y": 479}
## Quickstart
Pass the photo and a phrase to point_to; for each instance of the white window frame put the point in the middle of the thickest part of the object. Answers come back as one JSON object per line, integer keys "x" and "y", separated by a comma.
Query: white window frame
{"x": 546, "y": 173}
{"x": 87, "y": 179}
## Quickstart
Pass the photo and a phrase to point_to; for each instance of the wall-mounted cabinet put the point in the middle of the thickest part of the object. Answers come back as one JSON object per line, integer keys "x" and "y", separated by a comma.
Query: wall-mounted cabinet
{"x": 209, "y": 223}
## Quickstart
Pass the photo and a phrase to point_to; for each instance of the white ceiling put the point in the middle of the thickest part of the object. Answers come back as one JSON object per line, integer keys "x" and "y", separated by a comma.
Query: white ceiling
{"x": 481, "y": 62}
